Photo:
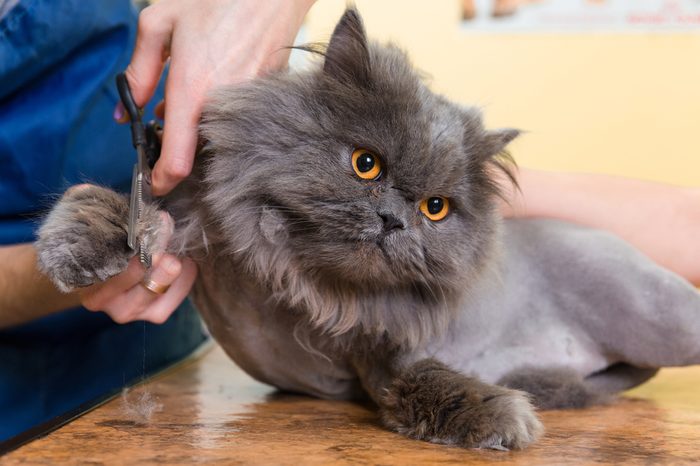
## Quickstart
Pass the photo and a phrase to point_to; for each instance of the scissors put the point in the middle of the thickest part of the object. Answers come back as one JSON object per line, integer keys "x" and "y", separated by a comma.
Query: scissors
{"x": 147, "y": 144}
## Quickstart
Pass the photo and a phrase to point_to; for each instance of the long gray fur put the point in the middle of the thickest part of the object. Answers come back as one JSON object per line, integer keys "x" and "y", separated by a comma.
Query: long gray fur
{"x": 304, "y": 289}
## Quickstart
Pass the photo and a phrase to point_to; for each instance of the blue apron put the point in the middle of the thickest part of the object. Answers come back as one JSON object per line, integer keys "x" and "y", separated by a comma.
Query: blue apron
{"x": 58, "y": 60}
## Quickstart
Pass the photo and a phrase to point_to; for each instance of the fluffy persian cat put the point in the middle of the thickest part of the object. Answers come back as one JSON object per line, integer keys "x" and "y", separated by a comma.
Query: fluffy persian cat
{"x": 345, "y": 228}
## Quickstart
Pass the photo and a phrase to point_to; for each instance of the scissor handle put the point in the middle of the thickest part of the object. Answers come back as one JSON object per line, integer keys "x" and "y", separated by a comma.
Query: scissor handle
{"x": 138, "y": 134}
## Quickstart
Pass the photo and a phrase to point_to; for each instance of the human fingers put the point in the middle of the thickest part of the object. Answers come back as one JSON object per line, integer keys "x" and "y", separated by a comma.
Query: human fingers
{"x": 160, "y": 310}
{"x": 96, "y": 297}
{"x": 182, "y": 112}
{"x": 133, "y": 304}
{"x": 165, "y": 232}
{"x": 152, "y": 48}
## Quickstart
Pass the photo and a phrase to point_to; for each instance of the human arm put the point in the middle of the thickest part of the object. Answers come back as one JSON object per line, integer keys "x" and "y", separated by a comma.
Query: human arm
{"x": 209, "y": 43}
{"x": 26, "y": 294}
{"x": 661, "y": 220}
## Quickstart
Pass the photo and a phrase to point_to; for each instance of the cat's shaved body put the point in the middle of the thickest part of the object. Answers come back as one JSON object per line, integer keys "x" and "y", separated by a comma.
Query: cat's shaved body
{"x": 556, "y": 302}
{"x": 309, "y": 287}
{"x": 573, "y": 297}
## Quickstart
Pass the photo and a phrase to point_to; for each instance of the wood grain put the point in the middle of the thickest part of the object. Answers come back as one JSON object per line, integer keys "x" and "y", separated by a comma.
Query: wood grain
{"x": 210, "y": 411}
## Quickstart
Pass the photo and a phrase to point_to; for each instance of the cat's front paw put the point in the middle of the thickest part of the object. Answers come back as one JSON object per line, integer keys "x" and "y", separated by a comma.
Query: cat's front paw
{"x": 84, "y": 238}
{"x": 429, "y": 401}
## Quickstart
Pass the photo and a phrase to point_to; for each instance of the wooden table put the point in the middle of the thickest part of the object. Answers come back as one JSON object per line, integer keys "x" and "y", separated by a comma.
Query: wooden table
{"x": 208, "y": 410}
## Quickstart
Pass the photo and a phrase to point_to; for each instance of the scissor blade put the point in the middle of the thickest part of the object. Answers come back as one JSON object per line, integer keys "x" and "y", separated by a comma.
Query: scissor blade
{"x": 134, "y": 200}
{"x": 144, "y": 171}
{"x": 143, "y": 189}
{"x": 144, "y": 257}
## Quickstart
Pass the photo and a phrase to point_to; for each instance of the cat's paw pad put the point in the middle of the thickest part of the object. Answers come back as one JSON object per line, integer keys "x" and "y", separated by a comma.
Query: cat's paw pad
{"x": 431, "y": 402}
{"x": 84, "y": 238}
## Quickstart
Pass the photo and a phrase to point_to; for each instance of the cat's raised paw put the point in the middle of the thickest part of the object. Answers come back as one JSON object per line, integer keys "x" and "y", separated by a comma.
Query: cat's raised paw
{"x": 430, "y": 401}
{"x": 83, "y": 240}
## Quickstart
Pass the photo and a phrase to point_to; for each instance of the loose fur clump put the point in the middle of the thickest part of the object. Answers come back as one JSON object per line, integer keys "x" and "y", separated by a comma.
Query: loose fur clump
{"x": 140, "y": 407}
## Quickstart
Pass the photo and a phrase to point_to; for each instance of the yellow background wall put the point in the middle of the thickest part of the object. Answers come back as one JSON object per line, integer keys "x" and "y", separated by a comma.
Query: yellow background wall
{"x": 617, "y": 103}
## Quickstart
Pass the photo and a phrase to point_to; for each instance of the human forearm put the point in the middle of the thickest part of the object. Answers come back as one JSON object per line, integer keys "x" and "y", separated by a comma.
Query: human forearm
{"x": 663, "y": 221}
{"x": 25, "y": 294}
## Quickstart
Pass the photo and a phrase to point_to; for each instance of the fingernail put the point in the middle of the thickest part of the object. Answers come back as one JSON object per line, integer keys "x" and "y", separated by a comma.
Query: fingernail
{"x": 120, "y": 115}
{"x": 160, "y": 109}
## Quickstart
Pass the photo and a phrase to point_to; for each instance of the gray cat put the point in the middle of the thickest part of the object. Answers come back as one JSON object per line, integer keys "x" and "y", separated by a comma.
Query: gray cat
{"x": 348, "y": 243}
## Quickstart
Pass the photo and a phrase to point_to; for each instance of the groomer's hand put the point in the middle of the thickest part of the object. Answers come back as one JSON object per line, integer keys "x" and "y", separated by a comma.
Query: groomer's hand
{"x": 210, "y": 43}
{"x": 124, "y": 297}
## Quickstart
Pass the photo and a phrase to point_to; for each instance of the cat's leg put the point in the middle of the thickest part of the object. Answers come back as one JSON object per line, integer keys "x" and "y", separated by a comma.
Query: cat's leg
{"x": 429, "y": 401}
{"x": 84, "y": 238}
{"x": 612, "y": 303}
{"x": 564, "y": 388}
{"x": 639, "y": 313}
{"x": 554, "y": 388}
{"x": 618, "y": 378}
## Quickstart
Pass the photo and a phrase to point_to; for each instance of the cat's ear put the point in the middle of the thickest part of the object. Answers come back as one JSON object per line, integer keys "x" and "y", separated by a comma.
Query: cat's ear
{"x": 494, "y": 142}
{"x": 347, "y": 56}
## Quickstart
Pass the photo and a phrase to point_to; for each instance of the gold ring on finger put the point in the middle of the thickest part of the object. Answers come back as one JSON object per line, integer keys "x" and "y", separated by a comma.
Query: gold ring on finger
{"x": 154, "y": 287}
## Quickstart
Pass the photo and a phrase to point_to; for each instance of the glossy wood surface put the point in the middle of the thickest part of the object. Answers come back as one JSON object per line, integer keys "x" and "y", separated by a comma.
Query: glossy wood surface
{"x": 209, "y": 411}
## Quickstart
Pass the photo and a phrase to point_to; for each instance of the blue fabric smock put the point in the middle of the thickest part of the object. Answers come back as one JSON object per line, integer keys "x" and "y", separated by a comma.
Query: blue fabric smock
{"x": 58, "y": 60}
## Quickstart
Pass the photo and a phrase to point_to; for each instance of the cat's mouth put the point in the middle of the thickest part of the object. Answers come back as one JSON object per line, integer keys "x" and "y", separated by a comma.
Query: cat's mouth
{"x": 381, "y": 244}
{"x": 369, "y": 243}
{"x": 374, "y": 258}
{"x": 365, "y": 245}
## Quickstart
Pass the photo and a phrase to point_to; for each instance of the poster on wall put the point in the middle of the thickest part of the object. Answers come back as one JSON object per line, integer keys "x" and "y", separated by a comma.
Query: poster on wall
{"x": 581, "y": 15}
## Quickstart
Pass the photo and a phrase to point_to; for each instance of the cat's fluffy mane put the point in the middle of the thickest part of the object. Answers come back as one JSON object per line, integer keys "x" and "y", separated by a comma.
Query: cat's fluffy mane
{"x": 237, "y": 202}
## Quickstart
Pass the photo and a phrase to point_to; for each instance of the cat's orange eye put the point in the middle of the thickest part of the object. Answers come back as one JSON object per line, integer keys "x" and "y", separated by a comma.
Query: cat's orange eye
{"x": 366, "y": 164}
{"x": 435, "y": 208}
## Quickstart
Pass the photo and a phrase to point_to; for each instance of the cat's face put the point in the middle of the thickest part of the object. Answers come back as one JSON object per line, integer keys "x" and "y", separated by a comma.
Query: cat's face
{"x": 354, "y": 173}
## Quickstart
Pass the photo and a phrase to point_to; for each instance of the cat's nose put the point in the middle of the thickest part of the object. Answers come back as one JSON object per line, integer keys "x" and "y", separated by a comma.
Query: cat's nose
{"x": 391, "y": 223}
